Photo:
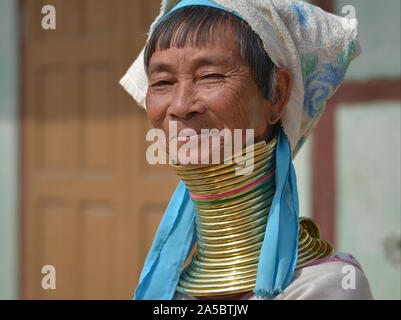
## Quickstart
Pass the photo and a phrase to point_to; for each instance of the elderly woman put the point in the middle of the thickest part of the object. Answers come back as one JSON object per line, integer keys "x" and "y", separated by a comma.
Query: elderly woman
{"x": 268, "y": 66}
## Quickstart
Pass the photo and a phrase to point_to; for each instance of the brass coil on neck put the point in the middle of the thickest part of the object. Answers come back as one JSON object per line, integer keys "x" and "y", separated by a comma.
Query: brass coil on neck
{"x": 231, "y": 218}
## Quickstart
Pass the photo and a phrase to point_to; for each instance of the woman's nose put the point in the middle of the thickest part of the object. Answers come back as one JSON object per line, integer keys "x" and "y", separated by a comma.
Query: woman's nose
{"x": 184, "y": 103}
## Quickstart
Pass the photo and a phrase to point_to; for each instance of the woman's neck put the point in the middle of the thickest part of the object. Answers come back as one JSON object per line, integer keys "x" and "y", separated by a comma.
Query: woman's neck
{"x": 231, "y": 217}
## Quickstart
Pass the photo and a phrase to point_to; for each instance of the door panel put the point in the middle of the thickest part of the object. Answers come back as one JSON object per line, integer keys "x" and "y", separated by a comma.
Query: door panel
{"x": 90, "y": 202}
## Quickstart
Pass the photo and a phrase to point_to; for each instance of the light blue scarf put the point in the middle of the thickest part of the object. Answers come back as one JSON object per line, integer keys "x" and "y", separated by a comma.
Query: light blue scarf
{"x": 206, "y": 3}
{"x": 176, "y": 237}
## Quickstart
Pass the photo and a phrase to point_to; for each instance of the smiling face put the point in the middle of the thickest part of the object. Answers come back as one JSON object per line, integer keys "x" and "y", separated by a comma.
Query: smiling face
{"x": 207, "y": 87}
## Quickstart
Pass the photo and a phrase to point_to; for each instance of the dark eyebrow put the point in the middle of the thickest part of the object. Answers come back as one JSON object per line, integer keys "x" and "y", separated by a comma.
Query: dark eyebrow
{"x": 198, "y": 62}
{"x": 159, "y": 67}
{"x": 210, "y": 62}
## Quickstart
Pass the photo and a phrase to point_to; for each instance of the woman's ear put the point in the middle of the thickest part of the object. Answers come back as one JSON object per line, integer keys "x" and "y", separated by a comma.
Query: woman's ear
{"x": 282, "y": 95}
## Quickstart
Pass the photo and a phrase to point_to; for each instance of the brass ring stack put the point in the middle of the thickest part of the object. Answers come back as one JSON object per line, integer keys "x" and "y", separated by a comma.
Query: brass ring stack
{"x": 231, "y": 218}
{"x": 310, "y": 246}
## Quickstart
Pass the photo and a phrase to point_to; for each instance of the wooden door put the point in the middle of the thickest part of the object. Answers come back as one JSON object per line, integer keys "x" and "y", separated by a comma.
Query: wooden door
{"x": 90, "y": 203}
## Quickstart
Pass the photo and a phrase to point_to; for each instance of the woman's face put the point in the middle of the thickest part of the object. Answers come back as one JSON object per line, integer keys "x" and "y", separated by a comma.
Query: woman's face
{"x": 205, "y": 88}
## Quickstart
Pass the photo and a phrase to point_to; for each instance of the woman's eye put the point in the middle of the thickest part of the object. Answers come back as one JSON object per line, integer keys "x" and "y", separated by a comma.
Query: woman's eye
{"x": 161, "y": 83}
{"x": 213, "y": 76}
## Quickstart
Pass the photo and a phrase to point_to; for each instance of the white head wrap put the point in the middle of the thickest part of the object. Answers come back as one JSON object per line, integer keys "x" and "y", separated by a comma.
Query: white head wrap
{"x": 314, "y": 45}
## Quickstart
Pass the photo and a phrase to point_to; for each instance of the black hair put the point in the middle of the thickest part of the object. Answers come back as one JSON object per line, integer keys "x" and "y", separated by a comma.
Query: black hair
{"x": 195, "y": 25}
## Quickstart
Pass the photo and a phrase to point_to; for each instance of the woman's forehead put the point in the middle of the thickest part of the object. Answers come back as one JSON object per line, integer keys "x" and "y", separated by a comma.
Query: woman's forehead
{"x": 195, "y": 27}
{"x": 218, "y": 34}
{"x": 218, "y": 53}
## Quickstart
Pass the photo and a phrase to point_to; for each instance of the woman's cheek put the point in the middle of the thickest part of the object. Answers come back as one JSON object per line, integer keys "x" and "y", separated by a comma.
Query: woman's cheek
{"x": 222, "y": 105}
{"x": 220, "y": 99}
{"x": 156, "y": 109}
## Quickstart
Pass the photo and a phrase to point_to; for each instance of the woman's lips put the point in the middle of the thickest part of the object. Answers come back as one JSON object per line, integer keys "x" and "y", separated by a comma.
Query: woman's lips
{"x": 196, "y": 137}
{"x": 186, "y": 134}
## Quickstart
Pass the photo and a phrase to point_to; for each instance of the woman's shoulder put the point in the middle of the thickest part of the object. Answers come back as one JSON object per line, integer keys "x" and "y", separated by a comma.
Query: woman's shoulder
{"x": 339, "y": 257}
{"x": 337, "y": 277}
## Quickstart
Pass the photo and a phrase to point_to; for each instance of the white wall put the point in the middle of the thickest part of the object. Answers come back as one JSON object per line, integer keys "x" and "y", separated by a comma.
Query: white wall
{"x": 368, "y": 192}
{"x": 380, "y": 38}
